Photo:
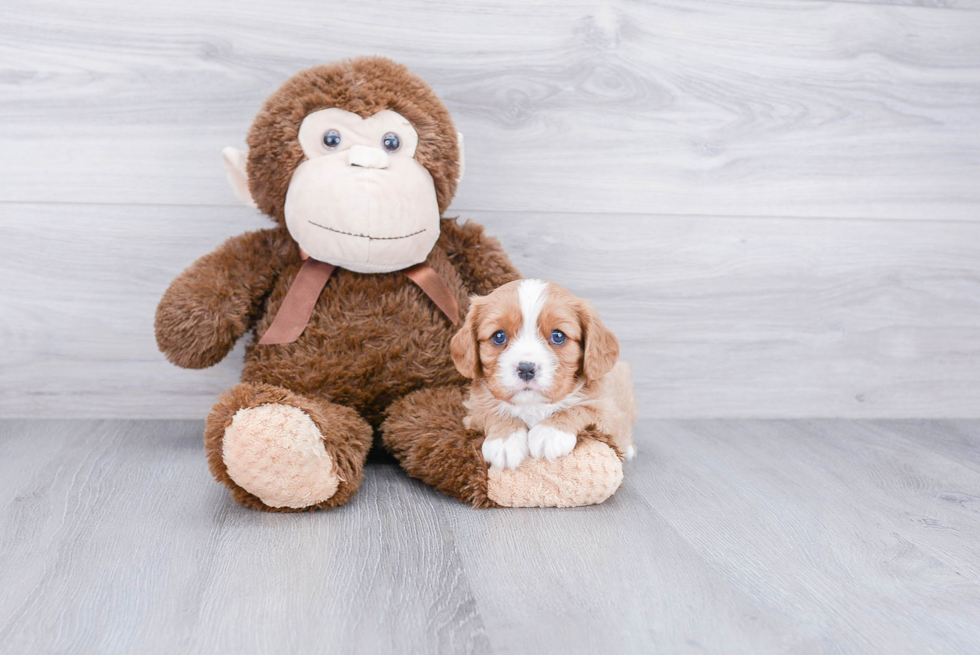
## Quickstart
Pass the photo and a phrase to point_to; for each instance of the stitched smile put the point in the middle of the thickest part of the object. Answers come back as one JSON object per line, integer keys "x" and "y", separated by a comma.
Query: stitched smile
{"x": 366, "y": 236}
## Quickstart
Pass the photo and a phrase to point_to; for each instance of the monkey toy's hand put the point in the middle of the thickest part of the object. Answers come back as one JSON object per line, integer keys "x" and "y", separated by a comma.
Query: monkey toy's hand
{"x": 214, "y": 302}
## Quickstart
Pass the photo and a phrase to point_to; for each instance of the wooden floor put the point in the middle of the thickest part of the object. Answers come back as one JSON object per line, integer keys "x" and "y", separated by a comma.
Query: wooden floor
{"x": 774, "y": 204}
{"x": 727, "y": 536}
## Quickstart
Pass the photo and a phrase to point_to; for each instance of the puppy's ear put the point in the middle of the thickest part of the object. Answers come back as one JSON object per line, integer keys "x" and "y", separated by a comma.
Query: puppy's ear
{"x": 465, "y": 348}
{"x": 600, "y": 348}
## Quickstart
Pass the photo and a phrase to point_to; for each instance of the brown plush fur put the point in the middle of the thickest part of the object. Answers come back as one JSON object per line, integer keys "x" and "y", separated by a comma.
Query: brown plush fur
{"x": 347, "y": 438}
{"x": 219, "y": 297}
{"x": 358, "y": 349}
{"x": 376, "y": 347}
{"x": 362, "y": 86}
{"x": 425, "y": 432}
{"x": 371, "y": 340}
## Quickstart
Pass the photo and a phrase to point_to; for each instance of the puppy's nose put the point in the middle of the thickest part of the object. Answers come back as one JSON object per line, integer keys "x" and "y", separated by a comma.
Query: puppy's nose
{"x": 525, "y": 370}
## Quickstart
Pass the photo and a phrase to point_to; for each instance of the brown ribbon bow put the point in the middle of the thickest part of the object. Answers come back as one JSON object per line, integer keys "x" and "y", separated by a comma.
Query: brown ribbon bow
{"x": 297, "y": 307}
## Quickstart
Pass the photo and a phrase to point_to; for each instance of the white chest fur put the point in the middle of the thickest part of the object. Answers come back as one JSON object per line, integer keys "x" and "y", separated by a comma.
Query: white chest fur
{"x": 532, "y": 413}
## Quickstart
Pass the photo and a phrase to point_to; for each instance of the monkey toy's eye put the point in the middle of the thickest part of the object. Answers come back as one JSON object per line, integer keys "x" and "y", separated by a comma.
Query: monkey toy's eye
{"x": 499, "y": 338}
{"x": 391, "y": 142}
{"x": 331, "y": 139}
{"x": 557, "y": 337}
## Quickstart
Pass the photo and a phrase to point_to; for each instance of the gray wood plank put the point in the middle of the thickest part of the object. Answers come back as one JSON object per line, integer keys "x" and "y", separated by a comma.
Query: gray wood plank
{"x": 122, "y": 543}
{"x": 956, "y": 440}
{"x": 383, "y": 577}
{"x": 762, "y": 317}
{"x": 968, "y": 5}
{"x": 772, "y": 317}
{"x": 727, "y": 536}
{"x": 92, "y": 556}
{"x": 615, "y": 578}
{"x": 850, "y": 528}
{"x": 776, "y": 108}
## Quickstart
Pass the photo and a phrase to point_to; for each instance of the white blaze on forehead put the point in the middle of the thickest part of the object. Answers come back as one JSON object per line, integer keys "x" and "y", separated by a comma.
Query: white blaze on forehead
{"x": 531, "y": 294}
{"x": 528, "y": 345}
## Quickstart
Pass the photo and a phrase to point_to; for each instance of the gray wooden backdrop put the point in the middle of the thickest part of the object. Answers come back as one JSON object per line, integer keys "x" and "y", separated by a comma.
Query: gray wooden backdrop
{"x": 774, "y": 204}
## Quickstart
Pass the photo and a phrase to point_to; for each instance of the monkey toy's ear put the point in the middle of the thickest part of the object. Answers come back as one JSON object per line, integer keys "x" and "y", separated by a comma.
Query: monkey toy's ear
{"x": 462, "y": 157}
{"x": 234, "y": 161}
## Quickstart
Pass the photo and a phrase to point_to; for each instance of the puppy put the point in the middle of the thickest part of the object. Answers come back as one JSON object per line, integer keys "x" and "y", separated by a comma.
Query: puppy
{"x": 544, "y": 368}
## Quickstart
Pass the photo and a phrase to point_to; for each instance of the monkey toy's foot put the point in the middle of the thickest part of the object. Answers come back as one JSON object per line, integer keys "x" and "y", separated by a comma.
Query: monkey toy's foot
{"x": 280, "y": 451}
{"x": 425, "y": 432}
{"x": 276, "y": 452}
{"x": 588, "y": 475}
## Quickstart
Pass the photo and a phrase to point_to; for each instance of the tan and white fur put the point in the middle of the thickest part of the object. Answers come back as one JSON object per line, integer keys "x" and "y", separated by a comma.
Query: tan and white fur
{"x": 544, "y": 368}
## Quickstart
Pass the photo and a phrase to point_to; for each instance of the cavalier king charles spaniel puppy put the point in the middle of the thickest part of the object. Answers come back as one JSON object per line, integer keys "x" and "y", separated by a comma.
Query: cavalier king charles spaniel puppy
{"x": 544, "y": 368}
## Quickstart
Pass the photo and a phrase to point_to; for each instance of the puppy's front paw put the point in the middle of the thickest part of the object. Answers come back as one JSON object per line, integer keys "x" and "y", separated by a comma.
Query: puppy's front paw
{"x": 506, "y": 453}
{"x": 550, "y": 443}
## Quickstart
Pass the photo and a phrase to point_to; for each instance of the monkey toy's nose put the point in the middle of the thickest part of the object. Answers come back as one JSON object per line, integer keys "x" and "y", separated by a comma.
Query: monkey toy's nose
{"x": 525, "y": 371}
{"x": 367, "y": 157}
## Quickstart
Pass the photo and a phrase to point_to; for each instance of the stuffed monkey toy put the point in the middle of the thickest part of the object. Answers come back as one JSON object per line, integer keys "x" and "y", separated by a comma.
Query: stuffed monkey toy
{"x": 353, "y": 297}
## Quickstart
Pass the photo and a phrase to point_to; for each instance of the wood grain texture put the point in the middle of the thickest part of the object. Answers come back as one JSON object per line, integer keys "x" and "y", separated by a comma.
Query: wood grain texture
{"x": 833, "y": 509}
{"x": 713, "y": 107}
{"x": 116, "y": 540}
{"x": 971, "y": 5}
{"x": 774, "y": 203}
{"x": 727, "y": 536}
{"x": 718, "y": 317}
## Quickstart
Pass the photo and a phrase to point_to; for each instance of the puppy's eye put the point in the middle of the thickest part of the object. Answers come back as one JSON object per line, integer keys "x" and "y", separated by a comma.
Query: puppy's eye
{"x": 331, "y": 139}
{"x": 391, "y": 142}
{"x": 499, "y": 338}
{"x": 558, "y": 337}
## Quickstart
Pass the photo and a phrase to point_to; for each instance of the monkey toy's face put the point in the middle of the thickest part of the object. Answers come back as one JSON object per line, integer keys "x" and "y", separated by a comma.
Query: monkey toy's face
{"x": 360, "y": 200}
{"x": 357, "y": 160}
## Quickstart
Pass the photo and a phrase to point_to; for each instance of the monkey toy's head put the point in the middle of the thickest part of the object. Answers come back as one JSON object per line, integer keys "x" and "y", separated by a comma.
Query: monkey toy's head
{"x": 357, "y": 159}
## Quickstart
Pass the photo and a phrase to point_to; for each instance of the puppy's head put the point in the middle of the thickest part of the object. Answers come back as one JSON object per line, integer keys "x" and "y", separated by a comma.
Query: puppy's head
{"x": 533, "y": 341}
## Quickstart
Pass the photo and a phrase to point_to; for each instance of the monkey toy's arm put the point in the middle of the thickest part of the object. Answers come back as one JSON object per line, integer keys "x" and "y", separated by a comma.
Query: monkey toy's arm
{"x": 479, "y": 258}
{"x": 209, "y": 306}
